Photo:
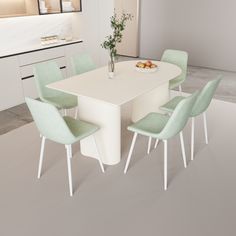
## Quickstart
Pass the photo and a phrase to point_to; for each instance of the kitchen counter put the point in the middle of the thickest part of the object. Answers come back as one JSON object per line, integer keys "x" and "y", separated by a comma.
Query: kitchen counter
{"x": 36, "y": 47}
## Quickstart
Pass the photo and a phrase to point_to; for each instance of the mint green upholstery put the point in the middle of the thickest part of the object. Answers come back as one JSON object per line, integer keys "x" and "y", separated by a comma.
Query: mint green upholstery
{"x": 171, "y": 105}
{"x": 203, "y": 101}
{"x": 63, "y": 130}
{"x": 82, "y": 63}
{"x": 46, "y": 73}
{"x": 179, "y": 58}
{"x": 53, "y": 126}
{"x": 162, "y": 127}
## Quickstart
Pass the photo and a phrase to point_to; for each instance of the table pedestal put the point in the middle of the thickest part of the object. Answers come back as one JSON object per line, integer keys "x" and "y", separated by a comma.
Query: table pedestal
{"x": 108, "y": 117}
{"x": 150, "y": 102}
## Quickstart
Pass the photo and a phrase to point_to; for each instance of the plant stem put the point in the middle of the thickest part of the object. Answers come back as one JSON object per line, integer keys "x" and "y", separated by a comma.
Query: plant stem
{"x": 112, "y": 62}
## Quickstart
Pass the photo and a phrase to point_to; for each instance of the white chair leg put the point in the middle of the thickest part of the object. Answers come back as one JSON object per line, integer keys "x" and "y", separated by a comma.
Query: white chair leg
{"x": 156, "y": 143}
{"x": 65, "y": 112}
{"x": 149, "y": 145}
{"x": 205, "y": 127}
{"x": 165, "y": 164}
{"x": 192, "y": 138}
{"x": 76, "y": 112}
{"x": 180, "y": 89}
{"x": 69, "y": 156}
{"x": 99, "y": 156}
{"x": 41, "y": 156}
{"x": 130, "y": 152}
{"x": 183, "y": 149}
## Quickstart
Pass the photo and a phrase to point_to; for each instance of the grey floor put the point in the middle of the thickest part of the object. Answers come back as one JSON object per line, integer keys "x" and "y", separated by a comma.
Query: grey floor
{"x": 197, "y": 77}
{"x": 200, "y": 200}
{"x": 14, "y": 117}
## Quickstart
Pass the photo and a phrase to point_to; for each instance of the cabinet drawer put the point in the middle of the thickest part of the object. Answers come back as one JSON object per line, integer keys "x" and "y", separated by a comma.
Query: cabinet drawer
{"x": 43, "y": 55}
{"x": 27, "y": 71}
{"x": 10, "y": 89}
{"x": 29, "y": 86}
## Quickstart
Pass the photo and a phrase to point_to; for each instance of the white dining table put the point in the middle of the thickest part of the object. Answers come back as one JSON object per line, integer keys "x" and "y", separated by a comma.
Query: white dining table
{"x": 100, "y": 100}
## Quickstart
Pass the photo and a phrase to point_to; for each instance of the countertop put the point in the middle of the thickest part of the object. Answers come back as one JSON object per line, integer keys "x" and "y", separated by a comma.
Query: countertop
{"x": 35, "y": 47}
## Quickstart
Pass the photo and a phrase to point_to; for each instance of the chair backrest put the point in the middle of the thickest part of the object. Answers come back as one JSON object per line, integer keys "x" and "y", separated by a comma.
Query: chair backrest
{"x": 179, "y": 58}
{"x": 82, "y": 63}
{"x": 49, "y": 122}
{"x": 179, "y": 117}
{"x": 46, "y": 73}
{"x": 205, "y": 96}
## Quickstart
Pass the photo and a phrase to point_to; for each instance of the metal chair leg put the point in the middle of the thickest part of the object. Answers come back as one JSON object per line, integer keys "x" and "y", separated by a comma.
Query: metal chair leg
{"x": 180, "y": 90}
{"x": 165, "y": 164}
{"x": 130, "y": 152}
{"x": 156, "y": 143}
{"x": 149, "y": 145}
{"x": 205, "y": 127}
{"x": 192, "y": 138}
{"x": 183, "y": 149}
{"x": 69, "y": 156}
{"x": 76, "y": 112}
{"x": 41, "y": 156}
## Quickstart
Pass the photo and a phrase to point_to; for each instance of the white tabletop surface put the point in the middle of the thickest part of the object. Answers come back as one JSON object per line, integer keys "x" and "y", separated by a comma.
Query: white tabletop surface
{"x": 124, "y": 87}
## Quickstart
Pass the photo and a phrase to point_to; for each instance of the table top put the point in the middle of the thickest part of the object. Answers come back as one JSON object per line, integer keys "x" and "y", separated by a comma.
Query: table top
{"x": 124, "y": 87}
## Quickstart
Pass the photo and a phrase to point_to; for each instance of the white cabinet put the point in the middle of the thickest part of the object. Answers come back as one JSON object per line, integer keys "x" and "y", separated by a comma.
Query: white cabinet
{"x": 29, "y": 86}
{"x": 11, "y": 93}
{"x": 39, "y": 56}
{"x": 16, "y": 72}
{"x": 27, "y": 70}
{"x": 29, "y": 60}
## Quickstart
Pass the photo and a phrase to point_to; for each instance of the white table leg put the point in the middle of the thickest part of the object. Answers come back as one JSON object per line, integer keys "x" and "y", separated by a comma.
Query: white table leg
{"x": 150, "y": 102}
{"x": 108, "y": 117}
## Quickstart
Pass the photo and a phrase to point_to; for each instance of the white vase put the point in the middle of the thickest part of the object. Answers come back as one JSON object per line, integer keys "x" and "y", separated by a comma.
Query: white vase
{"x": 111, "y": 75}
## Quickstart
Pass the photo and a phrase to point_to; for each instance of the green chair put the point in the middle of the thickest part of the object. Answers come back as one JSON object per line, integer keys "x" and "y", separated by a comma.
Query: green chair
{"x": 163, "y": 127}
{"x": 49, "y": 72}
{"x": 63, "y": 130}
{"x": 82, "y": 63}
{"x": 179, "y": 58}
{"x": 202, "y": 103}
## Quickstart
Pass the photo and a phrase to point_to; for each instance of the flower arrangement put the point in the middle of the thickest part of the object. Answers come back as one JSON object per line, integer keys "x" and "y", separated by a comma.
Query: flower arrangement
{"x": 118, "y": 26}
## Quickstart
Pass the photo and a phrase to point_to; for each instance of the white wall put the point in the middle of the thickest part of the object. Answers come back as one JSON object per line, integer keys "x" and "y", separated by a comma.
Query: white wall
{"x": 17, "y": 32}
{"x": 204, "y": 28}
{"x": 130, "y": 40}
{"x": 91, "y": 25}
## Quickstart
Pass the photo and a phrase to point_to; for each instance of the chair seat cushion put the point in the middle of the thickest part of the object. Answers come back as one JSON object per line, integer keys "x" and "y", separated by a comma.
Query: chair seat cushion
{"x": 79, "y": 128}
{"x": 151, "y": 125}
{"x": 62, "y": 101}
{"x": 171, "y": 105}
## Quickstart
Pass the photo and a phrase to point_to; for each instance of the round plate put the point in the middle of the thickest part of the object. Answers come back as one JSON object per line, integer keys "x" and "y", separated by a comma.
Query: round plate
{"x": 143, "y": 70}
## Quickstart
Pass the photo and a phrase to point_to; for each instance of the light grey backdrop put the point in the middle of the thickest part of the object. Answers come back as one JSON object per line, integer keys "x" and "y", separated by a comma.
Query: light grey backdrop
{"x": 204, "y": 28}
